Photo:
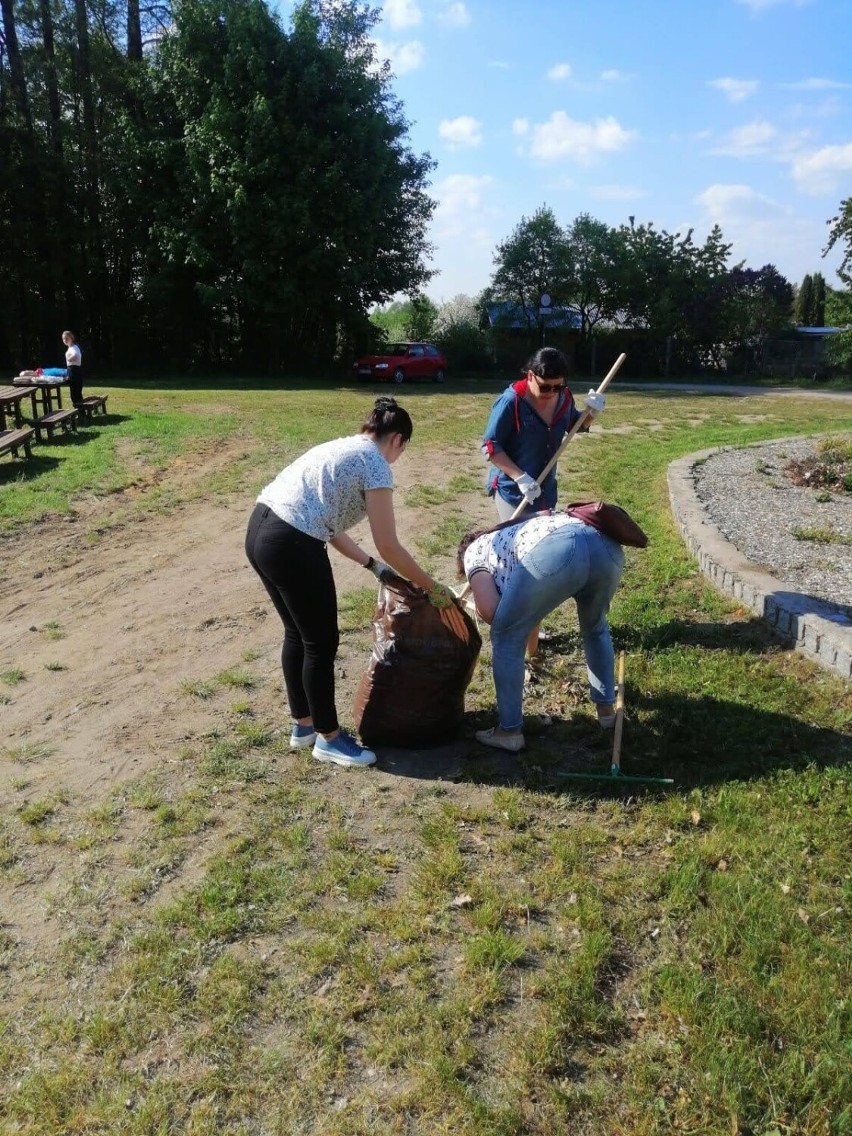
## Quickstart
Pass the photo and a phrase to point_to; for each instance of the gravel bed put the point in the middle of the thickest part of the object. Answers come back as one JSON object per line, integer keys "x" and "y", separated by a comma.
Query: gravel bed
{"x": 752, "y": 501}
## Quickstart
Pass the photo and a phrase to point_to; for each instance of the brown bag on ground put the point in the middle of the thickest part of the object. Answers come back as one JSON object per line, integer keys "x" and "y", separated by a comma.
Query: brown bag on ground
{"x": 412, "y": 693}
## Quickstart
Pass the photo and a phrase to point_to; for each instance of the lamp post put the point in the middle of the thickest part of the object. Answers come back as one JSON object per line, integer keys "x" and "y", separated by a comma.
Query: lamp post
{"x": 544, "y": 304}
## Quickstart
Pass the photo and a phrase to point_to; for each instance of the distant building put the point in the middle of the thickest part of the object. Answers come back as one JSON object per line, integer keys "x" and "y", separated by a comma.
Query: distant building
{"x": 509, "y": 316}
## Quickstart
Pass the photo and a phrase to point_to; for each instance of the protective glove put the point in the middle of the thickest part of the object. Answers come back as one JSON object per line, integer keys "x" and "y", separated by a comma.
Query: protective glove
{"x": 377, "y": 567}
{"x": 529, "y": 487}
{"x": 594, "y": 403}
{"x": 445, "y": 600}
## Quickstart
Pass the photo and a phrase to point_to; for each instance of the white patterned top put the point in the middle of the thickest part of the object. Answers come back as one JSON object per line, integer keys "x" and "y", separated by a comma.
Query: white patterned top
{"x": 322, "y": 492}
{"x": 498, "y": 553}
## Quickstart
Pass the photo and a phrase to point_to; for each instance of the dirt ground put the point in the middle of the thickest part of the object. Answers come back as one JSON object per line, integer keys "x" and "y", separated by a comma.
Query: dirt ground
{"x": 109, "y": 631}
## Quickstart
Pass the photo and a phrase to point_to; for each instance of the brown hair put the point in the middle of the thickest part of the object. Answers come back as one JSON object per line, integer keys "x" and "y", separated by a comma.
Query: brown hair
{"x": 388, "y": 417}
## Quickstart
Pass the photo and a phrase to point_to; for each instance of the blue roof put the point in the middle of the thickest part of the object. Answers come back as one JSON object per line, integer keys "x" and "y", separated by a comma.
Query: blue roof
{"x": 820, "y": 330}
{"x": 511, "y": 315}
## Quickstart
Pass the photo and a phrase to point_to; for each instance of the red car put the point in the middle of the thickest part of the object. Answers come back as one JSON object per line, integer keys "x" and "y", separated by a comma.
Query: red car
{"x": 401, "y": 362}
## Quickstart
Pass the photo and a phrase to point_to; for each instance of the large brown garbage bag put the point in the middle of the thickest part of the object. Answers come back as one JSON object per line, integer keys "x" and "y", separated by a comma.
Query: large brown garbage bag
{"x": 412, "y": 693}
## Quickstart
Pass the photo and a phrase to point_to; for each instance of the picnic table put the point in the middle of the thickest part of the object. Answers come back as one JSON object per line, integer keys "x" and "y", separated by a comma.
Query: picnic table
{"x": 10, "y": 404}
{"x": 19, "y": 435}
{"x": 44, "y": 390}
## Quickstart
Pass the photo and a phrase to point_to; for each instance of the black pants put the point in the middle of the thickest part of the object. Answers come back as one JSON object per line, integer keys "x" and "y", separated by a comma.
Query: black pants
{"x": 295, "y": 570}
{"x": 75, "y": 384}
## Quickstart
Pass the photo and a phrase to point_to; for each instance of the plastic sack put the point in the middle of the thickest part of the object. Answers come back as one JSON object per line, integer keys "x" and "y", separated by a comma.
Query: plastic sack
{"x": 412, "y": 693}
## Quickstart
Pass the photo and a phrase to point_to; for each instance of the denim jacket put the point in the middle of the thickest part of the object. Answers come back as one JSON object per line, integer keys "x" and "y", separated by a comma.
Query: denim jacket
{"x": 515, "y": 428}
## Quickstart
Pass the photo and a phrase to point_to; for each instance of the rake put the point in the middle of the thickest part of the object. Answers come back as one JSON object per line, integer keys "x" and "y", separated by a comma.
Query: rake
{"x": 615, "y": 773}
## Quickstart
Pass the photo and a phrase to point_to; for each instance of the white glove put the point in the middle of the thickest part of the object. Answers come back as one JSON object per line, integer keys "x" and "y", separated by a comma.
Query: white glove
{"x": 378, "y": 567}
{"x": 529, "y": 487}
{"x": 594, "y": 403}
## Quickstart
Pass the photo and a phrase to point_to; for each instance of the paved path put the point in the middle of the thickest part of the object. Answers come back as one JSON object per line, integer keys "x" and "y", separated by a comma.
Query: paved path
{"x": 818, "y": 630}
{"x": 725, "y": 388}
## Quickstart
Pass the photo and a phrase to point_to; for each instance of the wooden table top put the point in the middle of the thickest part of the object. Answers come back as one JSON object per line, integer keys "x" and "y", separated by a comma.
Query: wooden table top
{"x": 10, "y": 394}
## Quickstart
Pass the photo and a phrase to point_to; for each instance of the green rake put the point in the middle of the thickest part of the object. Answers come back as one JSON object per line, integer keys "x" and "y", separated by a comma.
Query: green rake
{"x": 615, "y": 773}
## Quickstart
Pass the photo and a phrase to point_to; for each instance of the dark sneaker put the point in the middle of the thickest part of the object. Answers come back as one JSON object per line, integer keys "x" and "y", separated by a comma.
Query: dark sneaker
{"x": 302, "y": 736}
{"x": 344, "y": 750}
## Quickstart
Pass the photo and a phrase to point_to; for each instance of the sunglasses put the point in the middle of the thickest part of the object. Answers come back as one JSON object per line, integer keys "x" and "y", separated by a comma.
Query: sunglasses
{"x": 548, "y": 388}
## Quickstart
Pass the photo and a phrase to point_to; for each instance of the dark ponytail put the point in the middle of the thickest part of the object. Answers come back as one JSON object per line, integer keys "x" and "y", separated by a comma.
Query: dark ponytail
{"x": 388, "y": 417}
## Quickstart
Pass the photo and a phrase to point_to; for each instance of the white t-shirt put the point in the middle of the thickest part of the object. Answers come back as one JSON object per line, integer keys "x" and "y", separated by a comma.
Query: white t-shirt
{"x": 499, "y": 553}
{"x": 322, "y": 492}
{"x": 73, "y": 356}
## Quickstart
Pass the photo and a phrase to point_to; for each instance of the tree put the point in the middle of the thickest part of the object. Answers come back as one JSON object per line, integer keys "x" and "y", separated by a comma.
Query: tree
{"x": 805, "y": 301}
{"x": 292, "y": 202}
{"x": 818, "y": 311}
{"x": 663, "y": 284}
{"x": 593, "y": 252}
{"x": 406, "y": 319}
{"x": 759, "y": 304}
{"x": 534, "y": 260}
{"x": 840, "y": 233}
{"x": 457, "y": 332}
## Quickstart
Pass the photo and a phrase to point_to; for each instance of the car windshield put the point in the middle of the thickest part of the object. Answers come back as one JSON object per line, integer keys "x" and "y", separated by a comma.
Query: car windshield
{"x": 397, "y": 349}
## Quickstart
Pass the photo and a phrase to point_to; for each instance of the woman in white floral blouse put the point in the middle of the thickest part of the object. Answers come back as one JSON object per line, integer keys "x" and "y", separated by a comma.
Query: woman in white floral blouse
{"x": 520, "y": 571}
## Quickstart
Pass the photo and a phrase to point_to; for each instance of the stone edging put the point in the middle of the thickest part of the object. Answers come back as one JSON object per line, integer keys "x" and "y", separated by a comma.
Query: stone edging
{"x": 816, "y": 629}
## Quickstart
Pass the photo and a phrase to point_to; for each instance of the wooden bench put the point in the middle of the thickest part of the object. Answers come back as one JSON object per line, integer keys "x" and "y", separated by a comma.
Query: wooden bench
{"x": 57, "y": 419}
{"x": 91, "y": 404}
{"x": 13, "y": 440}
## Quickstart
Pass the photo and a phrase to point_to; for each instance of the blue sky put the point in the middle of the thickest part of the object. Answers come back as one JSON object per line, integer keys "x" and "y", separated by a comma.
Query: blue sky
{"x": 680, "y": 112}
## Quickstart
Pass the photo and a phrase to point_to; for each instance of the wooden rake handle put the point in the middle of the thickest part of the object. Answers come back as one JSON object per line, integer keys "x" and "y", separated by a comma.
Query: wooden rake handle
{"x": 619, "y": 718}
{"x": 607, "y": 379}
{"x": 578, "y": 425}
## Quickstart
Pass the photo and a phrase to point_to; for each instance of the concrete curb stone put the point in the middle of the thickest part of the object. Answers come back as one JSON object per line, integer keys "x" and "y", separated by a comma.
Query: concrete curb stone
{"x": 816, "y": 629}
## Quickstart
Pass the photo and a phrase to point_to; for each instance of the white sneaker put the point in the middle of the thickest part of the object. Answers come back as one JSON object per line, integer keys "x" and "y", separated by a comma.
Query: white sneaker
{"x": 497, "y": 739}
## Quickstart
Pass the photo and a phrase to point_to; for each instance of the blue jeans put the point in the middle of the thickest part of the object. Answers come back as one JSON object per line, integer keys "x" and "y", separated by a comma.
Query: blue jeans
{"x": 575, "y": 561}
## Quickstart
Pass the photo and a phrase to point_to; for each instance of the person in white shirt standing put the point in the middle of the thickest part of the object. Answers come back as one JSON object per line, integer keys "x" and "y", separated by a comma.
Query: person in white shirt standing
{"x": 73, "y": 366}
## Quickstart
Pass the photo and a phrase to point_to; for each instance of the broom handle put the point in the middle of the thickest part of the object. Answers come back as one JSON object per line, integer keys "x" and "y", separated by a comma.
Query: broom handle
{"x": 619, "y": 718}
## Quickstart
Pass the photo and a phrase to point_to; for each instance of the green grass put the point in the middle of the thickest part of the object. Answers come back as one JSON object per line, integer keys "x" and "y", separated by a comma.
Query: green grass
{"x": 820, "y": 535}
{"x": 249, "y": 941}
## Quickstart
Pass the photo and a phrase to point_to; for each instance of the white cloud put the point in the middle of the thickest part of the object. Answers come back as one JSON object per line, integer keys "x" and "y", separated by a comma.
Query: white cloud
{"x": 521, "y": 127}
{"x": 739, "y": 202}
{"x": 462, "y": 131}
{"x": 749, "y": 140}
{"x": 737, "y": 90}
{"x": 559, "y": 72}
{"x": 817, "y": 85}
{"x": 617, "y": 192}
{"x": 763, "y": 5}
{"x": 463, "y": 233}
{"x": 612, "y": 75}
{"x": 455, "y": 16}
{"x": 824, "y": 170}
{"x": 761, "y": 231}
{"x": 402, "y": 13}
{"x": 403, "y": 57}
{"x": 563, "y": 137}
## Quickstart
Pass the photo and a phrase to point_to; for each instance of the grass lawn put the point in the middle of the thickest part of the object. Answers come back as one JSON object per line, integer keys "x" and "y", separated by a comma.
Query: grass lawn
{"x": 494, "y": 955}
